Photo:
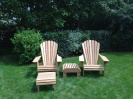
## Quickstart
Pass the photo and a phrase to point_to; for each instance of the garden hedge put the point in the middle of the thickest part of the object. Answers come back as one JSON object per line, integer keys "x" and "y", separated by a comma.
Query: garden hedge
{"x": 70, "y": 41}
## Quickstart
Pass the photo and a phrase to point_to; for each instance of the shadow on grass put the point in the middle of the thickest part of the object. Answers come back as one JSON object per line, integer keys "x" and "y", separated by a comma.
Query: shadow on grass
{"x": 34, "y": 88}
{"x": 9, "y": 60}
{"x": 32, "y": 72}
{"x": 94, "y": 74}
{"x": 42, "y": 88}
{"x": 60, "y": 74}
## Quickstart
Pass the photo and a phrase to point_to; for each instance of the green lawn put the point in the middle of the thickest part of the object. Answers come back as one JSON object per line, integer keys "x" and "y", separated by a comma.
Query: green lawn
{"x": 18, "y": 82}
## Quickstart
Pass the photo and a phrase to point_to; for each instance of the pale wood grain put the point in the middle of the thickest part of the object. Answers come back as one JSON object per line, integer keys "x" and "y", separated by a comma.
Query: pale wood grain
{"x": 46, "y": 78}
{"x": 71, "y": 68}
{"x": 49, "y": 56}
{"x": 91, "y": 52}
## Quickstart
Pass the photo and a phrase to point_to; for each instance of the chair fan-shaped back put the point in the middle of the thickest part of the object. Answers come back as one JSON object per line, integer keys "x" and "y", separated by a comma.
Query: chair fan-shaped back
{"x": 91, "y": 51}
{"x": 49, "y": 52}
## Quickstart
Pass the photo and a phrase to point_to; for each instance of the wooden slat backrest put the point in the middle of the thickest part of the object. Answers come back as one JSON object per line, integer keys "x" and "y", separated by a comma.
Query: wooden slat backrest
{"x": 49, "y": 52}
{"x": 91, "y": 51}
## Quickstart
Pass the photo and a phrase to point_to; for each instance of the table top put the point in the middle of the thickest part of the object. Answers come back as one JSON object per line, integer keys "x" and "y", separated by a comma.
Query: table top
{"x": 70, "y": 65}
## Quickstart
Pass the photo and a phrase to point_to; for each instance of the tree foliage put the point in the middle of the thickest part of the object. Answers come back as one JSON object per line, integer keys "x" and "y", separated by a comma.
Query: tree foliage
{"x": 119, "y": 13}
{"x": 49, "y": 14}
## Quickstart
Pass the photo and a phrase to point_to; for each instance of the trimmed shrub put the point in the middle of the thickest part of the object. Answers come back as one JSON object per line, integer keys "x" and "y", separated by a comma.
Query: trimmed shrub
{"x": 26, "y": 45}
{"x": 70, "y": 41}
{"x": 60, "y": 37}
{"x": 74, "y": 40}
{"x": 122, "y": 41}
{"x": 104, "y": 38}
{"x": 86, "y": 35}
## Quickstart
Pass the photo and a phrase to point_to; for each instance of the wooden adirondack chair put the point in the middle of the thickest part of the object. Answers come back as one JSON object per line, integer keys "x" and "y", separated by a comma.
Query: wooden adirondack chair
{"x": 91, "y": 53}
{"x": 49, "y": 56}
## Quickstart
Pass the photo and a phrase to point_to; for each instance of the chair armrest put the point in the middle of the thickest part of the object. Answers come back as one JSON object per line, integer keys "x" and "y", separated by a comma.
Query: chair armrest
{"x": 81, "y": 58}
{"x": 59, "y": 59}
{"x": 104, "y": 58}
{"x": 36, "y": 59}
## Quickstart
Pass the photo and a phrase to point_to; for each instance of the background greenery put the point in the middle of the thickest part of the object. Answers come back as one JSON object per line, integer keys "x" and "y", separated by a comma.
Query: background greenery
{"x": 71, "y": 14}
{"x": 70, "y": 41}
{"x": 83, "y": 19}
{"x": 69, "y": 23}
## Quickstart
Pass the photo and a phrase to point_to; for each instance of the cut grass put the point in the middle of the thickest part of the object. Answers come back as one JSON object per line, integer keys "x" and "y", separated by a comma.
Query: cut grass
{"x": 18, "y": 82}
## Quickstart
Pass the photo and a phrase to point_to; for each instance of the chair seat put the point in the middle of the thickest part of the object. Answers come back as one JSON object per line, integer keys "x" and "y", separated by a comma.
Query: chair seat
{"x": 93, "y": 67}
{"x": 47, "y": 68}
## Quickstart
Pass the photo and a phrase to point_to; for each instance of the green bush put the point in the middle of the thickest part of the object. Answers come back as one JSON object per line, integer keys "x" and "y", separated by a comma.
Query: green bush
{"x": 122, "y": 41}
{"x": 86, "y": 35}
{"x": 104, "y": 38}
{"x": 74, "y": 41}
{"x": 26, "y": 44}
{"x": 70, "y": 41}
{"x": 60, "y": 37}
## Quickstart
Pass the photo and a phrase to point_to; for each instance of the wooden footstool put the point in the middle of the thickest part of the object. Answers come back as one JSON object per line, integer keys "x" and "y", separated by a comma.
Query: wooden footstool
{"x": 46, "y": 78}
{"x": 71, "y": 68}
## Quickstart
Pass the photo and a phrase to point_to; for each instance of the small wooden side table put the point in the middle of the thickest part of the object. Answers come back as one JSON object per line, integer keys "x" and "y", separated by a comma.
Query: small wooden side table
{"x": 71, "y": 68}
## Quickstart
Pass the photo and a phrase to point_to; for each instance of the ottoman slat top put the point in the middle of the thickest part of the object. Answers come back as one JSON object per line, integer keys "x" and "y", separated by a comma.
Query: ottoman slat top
{"x": 71, "y": 68}
{"x": 46, "y": 76}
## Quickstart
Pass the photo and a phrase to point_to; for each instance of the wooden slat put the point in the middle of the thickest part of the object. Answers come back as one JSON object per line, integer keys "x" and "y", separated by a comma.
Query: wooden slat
{"x": 45, "y": 83}
{"x": 93, "y": 52}
{"x": 36, "y": 59}
{"x": 103, "y": 58}
{"x": 47, "y": 68}
{"x": 93, "y": 67}
{"x": 45, "y": 80}
{"x": 59, "y": 59}
{"x": 42, "y": 51}
{"x": 98, "y": 47}
{"x": 90, "y": 53}
{"x": 85, "y": 51}
{"x": 81, "y": 58}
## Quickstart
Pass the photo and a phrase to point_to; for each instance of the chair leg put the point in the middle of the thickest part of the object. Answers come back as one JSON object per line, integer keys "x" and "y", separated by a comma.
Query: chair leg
{"x": 58, "y": 73}
{"x": 54, "y": 86}
{"x": 103, "y": 73}
{"x": 78, "y": 74}
{"x": 83, "y": 72}
{"x": 38, "y": 87}
{"x": 64, "y": 74}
